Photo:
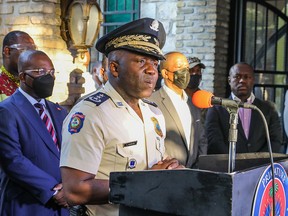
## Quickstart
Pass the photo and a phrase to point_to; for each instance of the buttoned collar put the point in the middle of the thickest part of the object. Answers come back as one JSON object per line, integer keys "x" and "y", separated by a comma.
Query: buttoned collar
{"x": 173, "y": 94}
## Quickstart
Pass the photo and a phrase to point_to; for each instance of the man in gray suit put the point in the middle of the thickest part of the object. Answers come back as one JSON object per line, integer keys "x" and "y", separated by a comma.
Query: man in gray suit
{"x": 185, "y": 139}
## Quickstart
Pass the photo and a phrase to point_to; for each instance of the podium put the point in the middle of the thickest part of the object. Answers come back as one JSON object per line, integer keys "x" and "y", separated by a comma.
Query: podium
{"x": 209, "y": 190}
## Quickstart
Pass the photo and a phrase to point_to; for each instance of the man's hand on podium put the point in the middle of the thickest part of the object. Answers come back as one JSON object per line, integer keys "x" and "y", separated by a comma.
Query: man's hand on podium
{"x": 168, "y": 163}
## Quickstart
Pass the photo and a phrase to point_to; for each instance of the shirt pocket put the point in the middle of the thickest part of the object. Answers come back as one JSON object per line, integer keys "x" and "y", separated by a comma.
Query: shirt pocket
{"x": 123, "y": 155}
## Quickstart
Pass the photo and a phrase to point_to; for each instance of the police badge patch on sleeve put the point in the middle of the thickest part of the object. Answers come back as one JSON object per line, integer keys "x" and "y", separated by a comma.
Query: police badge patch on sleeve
{"x": 76, "y": 122}
{"x": 97, "y": 98}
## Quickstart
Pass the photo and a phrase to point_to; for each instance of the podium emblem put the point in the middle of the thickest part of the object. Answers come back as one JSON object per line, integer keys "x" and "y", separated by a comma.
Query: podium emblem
{"x": 263, "y": 199}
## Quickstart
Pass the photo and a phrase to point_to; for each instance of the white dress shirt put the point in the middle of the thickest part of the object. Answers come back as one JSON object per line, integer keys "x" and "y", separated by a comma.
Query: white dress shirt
{"x": 183, "y": 111}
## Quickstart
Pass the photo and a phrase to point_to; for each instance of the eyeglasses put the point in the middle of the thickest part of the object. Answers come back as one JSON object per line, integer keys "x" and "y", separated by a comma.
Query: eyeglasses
{"x": 23, "y": 47}
{"x": 41, "y": 71}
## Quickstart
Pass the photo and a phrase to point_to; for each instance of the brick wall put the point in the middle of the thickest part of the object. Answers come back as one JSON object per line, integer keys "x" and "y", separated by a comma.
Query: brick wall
{"x": 196, "y": 28}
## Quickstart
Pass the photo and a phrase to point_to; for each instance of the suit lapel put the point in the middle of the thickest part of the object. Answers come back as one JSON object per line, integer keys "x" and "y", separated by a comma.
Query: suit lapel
{"x": 240, "y": 128}
{"x": 255, "y": 119}
{"x": 173, "y": 113}
{"x": 31, "y": 115}
{"x": 193, "y": 149}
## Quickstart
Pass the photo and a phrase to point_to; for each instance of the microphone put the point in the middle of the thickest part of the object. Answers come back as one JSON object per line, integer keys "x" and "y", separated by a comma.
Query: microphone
{"x": 205, "y": 99}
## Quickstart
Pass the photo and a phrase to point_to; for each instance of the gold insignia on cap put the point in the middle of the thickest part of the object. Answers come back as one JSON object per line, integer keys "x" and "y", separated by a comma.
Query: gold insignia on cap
{"x": 156, "y": 42}
{"x": 136, "y": 41}
{"x": 155, "y": 25}
{"x": 116, "y": 42}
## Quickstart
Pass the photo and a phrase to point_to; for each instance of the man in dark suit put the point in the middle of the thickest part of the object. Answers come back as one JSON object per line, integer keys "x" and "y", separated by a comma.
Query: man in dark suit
{"x": 185, "y": 138}
{"x": 251, "y": 131}
{"x": 29, "y": 153}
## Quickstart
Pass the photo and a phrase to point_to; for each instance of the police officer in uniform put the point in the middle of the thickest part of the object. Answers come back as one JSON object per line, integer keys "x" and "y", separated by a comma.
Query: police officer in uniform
{"x": 116, "y": 129}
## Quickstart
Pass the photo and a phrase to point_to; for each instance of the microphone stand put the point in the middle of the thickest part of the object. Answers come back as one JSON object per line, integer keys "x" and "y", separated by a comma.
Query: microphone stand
{"x": 233, "y": 111}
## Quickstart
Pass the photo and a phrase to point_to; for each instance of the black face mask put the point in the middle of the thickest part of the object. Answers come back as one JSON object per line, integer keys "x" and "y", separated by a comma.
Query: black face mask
{"x": 42, "y": 85}
{"x": 194, "y": 81}
{"x": 181, "y": 78}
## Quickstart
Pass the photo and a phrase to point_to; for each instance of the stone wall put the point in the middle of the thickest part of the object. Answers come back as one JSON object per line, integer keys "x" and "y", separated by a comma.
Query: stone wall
{"x": 196, "y": 28}
{"x": 41, "y": 19}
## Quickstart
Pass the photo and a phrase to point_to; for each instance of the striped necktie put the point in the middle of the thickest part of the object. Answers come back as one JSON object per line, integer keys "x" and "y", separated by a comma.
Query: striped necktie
{"x": 47, "y": 121}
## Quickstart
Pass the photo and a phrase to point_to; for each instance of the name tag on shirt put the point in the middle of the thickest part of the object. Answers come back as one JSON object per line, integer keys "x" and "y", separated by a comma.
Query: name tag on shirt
{"x": 130, "y": 144}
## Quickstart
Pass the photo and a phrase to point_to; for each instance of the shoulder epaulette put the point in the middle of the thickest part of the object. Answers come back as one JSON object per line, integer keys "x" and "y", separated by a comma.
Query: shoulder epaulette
{"x": 97, "y": 98}
{"x": 149, "y": 102}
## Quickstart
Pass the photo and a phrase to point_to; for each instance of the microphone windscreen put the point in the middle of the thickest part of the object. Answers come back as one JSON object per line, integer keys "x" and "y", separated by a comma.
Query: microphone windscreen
{"x": 202, "y": 99}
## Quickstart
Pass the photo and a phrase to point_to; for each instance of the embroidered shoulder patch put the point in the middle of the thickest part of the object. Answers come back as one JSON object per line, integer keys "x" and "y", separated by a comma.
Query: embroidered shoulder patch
{"x": 149, "y": 102}
{"x": 76, "y": 122}
{"x": 97, "y": 98}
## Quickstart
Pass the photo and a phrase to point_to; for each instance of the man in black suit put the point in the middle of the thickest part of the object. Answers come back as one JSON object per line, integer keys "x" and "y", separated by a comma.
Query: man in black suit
{"x": 251, "y": 131}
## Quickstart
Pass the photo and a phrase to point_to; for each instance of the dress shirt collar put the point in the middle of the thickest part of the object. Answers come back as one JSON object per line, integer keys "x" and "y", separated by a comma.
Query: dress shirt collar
{"x": 249, "y": 100}
{"x": 173, "y": 94}
{"x": 117, "y": 99}
{"x": 31, "y": 99}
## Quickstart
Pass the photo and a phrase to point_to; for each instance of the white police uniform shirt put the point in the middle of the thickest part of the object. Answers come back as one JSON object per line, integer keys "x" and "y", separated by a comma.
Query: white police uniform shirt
{"x": 102, "y": 133}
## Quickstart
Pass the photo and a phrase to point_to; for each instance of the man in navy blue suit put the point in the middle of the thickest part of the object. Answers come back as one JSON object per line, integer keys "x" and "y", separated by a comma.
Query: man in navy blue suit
{"x": 30, "y": 138}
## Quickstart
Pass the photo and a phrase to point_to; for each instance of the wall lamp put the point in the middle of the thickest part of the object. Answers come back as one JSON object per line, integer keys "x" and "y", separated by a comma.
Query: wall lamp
{"x": 80, "y": 25}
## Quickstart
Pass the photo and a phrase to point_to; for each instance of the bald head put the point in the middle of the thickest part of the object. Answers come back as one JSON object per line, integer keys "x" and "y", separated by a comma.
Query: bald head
{"x": 17, "y": 37}
{"x": 175, "y": 71}
{"x": 236, "y": 67}
{"x": 25, "y": 59}
{"x": 14, "y": 43}
{"x": 174, "y": 61}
